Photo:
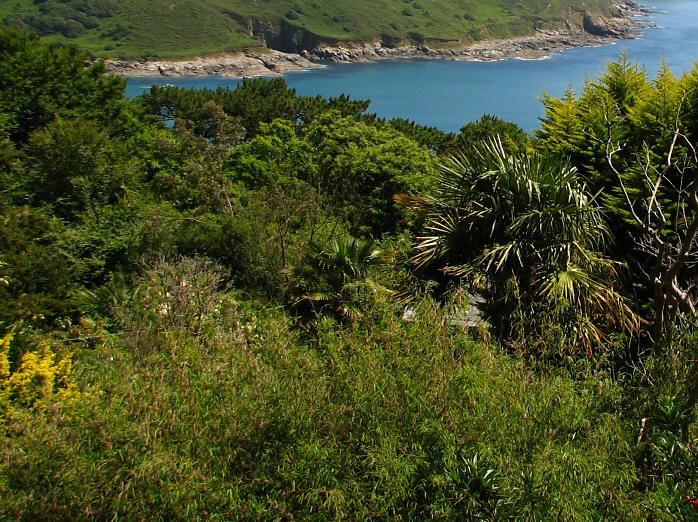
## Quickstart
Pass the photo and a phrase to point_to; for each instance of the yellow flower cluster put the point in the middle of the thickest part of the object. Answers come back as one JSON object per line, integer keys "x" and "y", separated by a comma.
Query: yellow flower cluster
{"x": 38, "y": 378}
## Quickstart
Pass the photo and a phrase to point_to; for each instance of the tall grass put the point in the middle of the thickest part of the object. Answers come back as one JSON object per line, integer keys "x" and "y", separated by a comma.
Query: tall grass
{"x": 240, "y": 418}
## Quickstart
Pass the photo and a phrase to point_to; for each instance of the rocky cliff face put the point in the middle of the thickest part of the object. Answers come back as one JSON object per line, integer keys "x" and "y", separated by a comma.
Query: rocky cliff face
{"x": 285, "y": 37}
{"x": 577, "y": 24}
{"x": 580, "y": 28}
{"x": 614, "y": 26}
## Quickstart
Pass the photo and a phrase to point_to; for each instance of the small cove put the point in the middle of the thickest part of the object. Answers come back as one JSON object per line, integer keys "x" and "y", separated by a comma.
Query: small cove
{"x": 447, "y": 94}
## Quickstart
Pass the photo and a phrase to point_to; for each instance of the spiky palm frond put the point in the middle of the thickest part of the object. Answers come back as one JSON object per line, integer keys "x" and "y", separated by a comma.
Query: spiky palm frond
{"x": 525, "y": 215}
{"x": 343, "y": 284}
{"x": 346, "y": 258}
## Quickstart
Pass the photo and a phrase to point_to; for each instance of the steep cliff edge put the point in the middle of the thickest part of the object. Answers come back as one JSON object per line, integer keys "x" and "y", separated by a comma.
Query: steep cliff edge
{"x": 617, "y": 20}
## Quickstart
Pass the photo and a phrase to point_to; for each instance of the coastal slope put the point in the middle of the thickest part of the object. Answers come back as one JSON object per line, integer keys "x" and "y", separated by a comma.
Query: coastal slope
{"x": 175, "y": 30}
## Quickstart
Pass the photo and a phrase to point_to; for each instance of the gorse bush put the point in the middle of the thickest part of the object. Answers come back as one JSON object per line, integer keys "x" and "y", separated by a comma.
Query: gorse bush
{"x": 38, "y": 379}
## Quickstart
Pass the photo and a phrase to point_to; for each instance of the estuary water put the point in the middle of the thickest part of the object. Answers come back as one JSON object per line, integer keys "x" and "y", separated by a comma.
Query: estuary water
{"x": 447, "y": 94}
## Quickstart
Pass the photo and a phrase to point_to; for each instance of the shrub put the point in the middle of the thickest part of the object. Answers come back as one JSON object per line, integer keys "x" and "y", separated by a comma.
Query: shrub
{"x": 391, "y": 421}
{"x": 37, "y": 379}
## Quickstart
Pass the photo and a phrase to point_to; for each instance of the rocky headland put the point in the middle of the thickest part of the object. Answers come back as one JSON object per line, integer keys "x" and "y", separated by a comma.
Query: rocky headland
{"x": 580, "y": 29}
{"x": 273, "y": 63}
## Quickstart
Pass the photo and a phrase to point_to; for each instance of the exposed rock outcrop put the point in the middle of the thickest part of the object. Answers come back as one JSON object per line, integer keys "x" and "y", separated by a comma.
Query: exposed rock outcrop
{"x": 274, "y": 63}
{"x": 286, "y": 37}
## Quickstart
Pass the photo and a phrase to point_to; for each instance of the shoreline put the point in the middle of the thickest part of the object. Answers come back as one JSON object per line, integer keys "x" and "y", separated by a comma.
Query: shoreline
{"x": 237, "y": 65}
{"x": 580, "y": 30}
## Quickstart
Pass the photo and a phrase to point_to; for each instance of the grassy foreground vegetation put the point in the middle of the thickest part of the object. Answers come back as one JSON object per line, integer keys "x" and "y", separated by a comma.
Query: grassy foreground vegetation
{"x": 167, "y": 29}
{"x": 203, "y": 304}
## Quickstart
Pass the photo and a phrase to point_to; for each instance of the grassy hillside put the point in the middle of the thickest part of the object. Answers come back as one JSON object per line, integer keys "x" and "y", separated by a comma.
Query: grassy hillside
{"x": 138, "y": 28}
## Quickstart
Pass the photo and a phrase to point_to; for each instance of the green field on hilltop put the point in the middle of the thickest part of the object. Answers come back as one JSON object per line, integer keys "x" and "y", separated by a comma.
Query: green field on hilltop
{"x": 170, "y": 29}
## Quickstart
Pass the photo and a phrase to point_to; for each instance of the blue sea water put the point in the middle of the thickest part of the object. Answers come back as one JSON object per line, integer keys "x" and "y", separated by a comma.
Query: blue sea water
{"x": 447, "y": 94}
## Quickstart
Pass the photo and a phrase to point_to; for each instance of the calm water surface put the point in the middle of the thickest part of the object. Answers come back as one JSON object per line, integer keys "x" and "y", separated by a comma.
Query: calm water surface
{"x": 447, "y": 94}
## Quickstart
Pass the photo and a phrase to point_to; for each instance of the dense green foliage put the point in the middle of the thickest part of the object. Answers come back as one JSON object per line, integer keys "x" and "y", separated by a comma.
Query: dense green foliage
{"x": 634, "y": 139}
{"x": 393, "y": 421}
{"x": 50, "y": 80}
{"x": 254, "y": 305}
{"x": 525, "y": 225}
{"x": 158, "y": 28}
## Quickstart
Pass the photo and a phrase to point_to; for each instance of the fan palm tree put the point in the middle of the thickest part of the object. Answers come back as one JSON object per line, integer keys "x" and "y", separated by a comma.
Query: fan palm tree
{"x": 342, "y": 268}
{"x": 526, "y": 221}
{"x": 345, "y": 259}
